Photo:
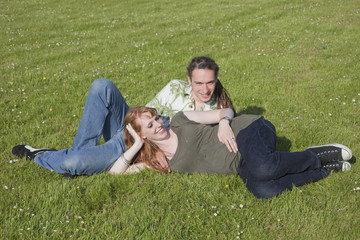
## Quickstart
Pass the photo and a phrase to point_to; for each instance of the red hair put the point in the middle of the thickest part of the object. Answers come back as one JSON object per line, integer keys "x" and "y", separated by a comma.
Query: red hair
{"x": 147, "y": 153}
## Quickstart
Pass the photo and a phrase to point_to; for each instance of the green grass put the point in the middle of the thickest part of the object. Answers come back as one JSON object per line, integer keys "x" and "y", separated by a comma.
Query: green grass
{"x": 295, "y": 62}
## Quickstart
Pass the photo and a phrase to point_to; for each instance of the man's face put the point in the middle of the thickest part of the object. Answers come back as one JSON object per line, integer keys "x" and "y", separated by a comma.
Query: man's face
{"x": 203, "y": 83}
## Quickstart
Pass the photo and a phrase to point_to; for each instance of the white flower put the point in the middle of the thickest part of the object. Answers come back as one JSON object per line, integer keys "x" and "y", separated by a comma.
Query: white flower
{"x": 241, "y": 206}
{"x": 5, "y": 187}
{"x": 215, "y": 214}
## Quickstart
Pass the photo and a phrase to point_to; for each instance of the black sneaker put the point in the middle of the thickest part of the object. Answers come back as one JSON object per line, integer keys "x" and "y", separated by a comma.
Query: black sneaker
{"x": 332, "y": 152}
{"x": 338, "y": 166}
{"x": 68, "y": 176}
{"x": 29, "y": 152}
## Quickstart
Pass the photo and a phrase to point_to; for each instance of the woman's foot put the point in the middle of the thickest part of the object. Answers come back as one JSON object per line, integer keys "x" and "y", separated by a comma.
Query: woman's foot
{"x": 29, "y": 152}
{"x": 338, "y": 166}
{"x": 333, "y": 152}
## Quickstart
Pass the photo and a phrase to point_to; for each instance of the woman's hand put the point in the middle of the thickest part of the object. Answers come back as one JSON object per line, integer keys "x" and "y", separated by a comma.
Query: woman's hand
{"x": 138, "y": 141}
{"x": 121, "y": 165}
{"x": 226, "y": 135}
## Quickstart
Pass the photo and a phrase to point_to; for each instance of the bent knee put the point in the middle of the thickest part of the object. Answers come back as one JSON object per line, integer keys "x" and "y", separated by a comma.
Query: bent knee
{"x": 265, "y": 172}
{"x": 100, "y": 84}
{"x": 73, "y": 164}
{"x": 264, "y": 190}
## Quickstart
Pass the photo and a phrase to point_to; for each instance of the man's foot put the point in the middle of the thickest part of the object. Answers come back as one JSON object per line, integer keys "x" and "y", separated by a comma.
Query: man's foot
{"x": 332, "y": 152}
{"x": 29, "y": 152}
{"x": 338, "y": 166}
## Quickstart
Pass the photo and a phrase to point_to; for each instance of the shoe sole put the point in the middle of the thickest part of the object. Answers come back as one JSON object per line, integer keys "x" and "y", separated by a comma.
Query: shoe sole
{"x": 346, "y": 166}
{"x": 336, "y": 145}
{"x": 21, "y": 151}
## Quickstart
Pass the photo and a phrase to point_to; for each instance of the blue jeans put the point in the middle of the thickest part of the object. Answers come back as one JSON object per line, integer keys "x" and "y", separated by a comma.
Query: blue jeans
{"x": 267, "y": 172}
{"x": 104, "y": 112}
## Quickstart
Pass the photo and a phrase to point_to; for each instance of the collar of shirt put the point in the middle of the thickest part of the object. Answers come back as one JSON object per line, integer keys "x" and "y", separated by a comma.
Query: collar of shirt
{"x": 206, "y": 106}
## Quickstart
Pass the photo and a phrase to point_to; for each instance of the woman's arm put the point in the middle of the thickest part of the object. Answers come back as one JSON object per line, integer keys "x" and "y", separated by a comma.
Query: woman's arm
{"x": 221, "y": 116}
{"x": 122, "y": 163}
{"x": 135, "y": 168}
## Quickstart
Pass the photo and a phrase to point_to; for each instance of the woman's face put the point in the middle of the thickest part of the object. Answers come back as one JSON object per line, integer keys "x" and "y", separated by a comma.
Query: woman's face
{"x": 152, "y": 127}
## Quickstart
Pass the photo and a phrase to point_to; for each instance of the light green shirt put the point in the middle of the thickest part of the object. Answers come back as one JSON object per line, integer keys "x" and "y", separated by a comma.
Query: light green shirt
{"x": 176, "y": 96}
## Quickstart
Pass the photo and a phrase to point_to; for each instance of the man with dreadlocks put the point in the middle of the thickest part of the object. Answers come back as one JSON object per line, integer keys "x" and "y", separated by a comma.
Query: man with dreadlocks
{"x": 104, "y": 112}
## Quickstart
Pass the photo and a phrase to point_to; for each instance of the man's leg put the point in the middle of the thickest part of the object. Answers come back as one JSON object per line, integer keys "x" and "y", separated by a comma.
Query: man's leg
{"x": 271, "y": 188}
{"x": 268, "y": 172}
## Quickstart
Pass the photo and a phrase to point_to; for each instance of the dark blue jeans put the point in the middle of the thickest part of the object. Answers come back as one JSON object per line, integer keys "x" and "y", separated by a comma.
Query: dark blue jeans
{"x": 267, "y": 172}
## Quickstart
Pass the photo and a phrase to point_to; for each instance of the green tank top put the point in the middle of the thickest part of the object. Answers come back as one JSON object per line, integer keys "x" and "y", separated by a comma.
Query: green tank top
{"x": 199, "y": 149}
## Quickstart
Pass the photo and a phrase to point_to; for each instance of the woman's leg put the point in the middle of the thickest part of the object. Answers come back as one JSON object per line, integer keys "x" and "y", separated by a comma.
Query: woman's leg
{"x": 104, "y": 112}
{"x": 85, "y": 160}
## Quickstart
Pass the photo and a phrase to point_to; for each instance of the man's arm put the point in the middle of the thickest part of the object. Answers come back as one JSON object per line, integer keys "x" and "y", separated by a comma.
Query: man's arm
{"x": 221, "y": 116}
{"x": 210, "y": 117}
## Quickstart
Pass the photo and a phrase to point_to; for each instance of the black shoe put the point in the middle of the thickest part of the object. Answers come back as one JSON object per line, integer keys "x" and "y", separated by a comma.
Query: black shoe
{"x": 330, "y": 153}
{"x": 29, "y": 152}
{"x": 338, "y": 166}
{"x": 68, "y": 176}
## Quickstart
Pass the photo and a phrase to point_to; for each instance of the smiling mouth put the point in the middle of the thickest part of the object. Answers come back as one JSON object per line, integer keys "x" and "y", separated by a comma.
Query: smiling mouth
{"x": 161, "y": 130}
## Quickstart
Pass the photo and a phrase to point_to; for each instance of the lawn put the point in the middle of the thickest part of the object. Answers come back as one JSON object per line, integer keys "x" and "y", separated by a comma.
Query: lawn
{"x": 294, "y": 61}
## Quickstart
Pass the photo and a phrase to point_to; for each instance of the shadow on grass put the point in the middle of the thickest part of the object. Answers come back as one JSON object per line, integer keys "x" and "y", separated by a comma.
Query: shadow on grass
{"x": 251, "y": 110}
{"x": 283, "y": 144}
{"x": 352, "y": 160}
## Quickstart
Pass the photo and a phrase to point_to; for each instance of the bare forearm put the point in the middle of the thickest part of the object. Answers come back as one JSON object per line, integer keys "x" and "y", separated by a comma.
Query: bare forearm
{"x": 135, "y": 168}
{"x": 225, "y": 113}
{"x": 209, "y": 117}
{"x": 122, "y": 163}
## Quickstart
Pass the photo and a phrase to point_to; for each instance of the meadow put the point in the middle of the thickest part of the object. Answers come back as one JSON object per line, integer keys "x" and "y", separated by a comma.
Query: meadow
{"x": 296, "y": 62}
